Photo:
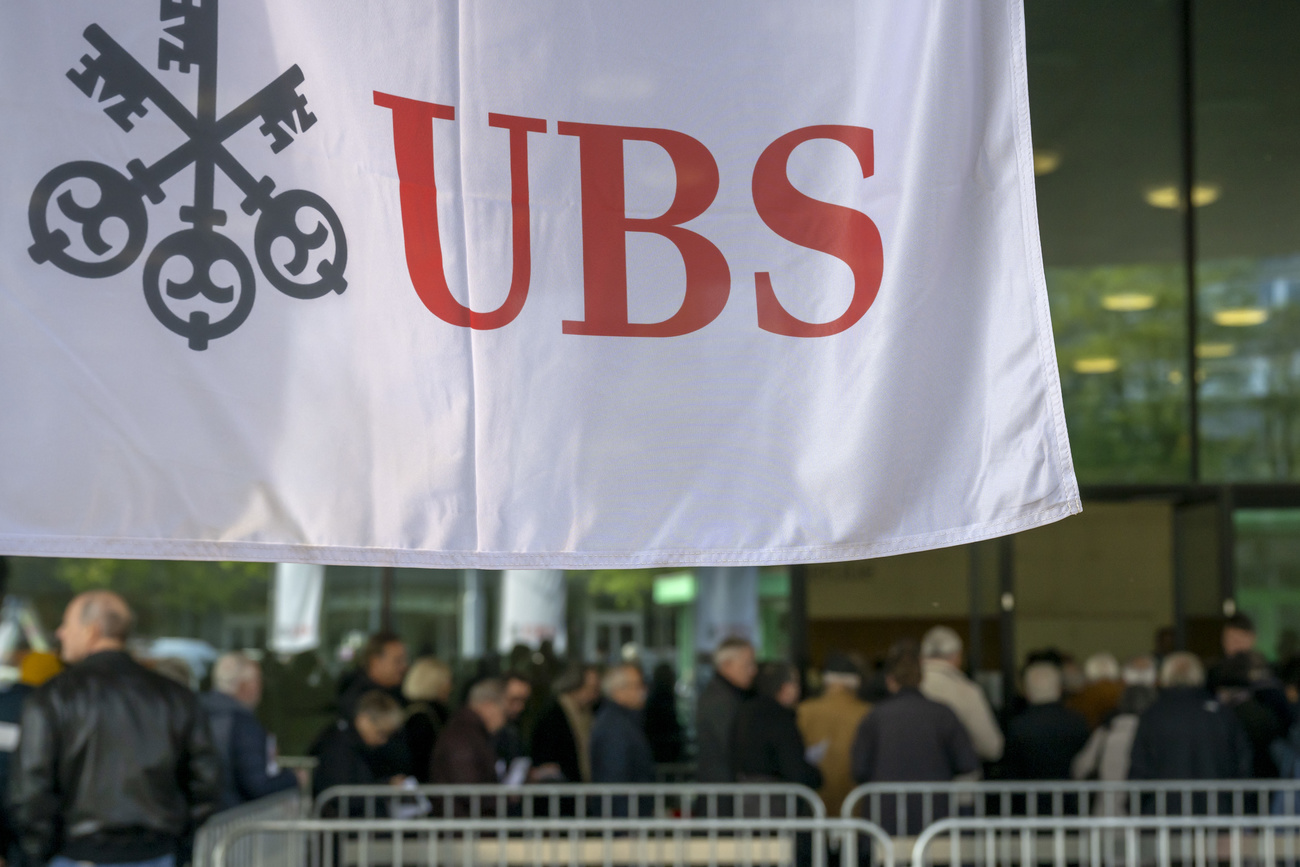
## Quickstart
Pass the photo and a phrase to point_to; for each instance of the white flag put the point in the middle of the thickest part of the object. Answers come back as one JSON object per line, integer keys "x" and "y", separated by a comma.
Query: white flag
{"x": 565, "y": 283}
{"x": 533, "y": 607}
{"x": 295, "y": 616}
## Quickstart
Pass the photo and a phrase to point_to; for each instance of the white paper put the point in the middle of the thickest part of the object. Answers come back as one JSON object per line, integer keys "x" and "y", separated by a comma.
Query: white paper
{"x": 517, "y": 773}
{"x": 9, "y": 736}
{"x": 817, "y": 752}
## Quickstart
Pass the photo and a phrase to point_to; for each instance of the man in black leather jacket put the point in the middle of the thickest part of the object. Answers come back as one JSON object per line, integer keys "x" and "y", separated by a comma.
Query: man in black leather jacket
{"x": 115, "y": 764}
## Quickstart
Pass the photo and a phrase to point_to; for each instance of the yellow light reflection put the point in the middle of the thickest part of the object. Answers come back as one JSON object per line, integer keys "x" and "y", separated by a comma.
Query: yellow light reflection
{"x": 1046, "y": 161}
{"x": 1215, "y": 350}
{"x": 1240, "y": 317}
{"x": 1128, "y": 302}
{"x": 1170, "y": 197}
{"x": 1100, "y": 364}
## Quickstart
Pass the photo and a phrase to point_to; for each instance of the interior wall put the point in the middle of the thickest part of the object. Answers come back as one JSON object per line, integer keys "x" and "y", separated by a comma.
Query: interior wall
{"x": 1099, "y": 581}
{"x": 870, "y": 639}
{"x": 925, "y": 584}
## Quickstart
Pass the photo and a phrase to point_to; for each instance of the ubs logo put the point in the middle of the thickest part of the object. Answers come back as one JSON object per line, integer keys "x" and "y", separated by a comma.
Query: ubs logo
{"x": 217, "y": 295}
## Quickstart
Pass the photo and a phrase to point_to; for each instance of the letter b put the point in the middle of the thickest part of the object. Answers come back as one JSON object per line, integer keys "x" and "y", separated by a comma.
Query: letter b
{"x": 605, "y": 225}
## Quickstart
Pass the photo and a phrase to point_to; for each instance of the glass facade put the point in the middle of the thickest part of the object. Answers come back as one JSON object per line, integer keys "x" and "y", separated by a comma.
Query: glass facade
{"x": 1104, "y": 100}
{"x": 1177, "y": 327}
{"x": 1248, "y": 238}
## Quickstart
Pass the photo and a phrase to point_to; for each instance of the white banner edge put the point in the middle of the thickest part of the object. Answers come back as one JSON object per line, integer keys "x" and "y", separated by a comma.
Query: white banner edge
{"x": 255, "y": 552}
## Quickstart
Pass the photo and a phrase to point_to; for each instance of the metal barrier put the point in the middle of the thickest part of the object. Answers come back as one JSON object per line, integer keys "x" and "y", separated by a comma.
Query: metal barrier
{"x": 909, "y": 808}
{"x": 282, "y": 806}
{"x": 559, "y": 842}
{"x": 1149, "y": 841}
{"x": 657, "y": 801}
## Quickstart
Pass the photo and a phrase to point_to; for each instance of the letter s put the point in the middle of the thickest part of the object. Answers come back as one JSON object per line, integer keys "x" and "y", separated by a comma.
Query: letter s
{"x": 846, "y": 234}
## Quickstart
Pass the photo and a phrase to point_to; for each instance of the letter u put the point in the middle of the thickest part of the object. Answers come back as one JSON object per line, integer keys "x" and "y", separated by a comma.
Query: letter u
{"x": 413, "y": 143}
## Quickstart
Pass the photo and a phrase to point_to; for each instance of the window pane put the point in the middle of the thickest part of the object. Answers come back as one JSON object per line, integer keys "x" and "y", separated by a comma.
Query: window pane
{"x": 1248, "y": 181}
{"x": 1103, "y": 84}
{"x": 1268, "y": 576}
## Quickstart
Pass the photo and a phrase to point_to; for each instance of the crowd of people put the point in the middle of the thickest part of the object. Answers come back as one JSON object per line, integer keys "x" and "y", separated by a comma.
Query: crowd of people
{"x": 118, "y": 761}
{"x": 917, "y": 717}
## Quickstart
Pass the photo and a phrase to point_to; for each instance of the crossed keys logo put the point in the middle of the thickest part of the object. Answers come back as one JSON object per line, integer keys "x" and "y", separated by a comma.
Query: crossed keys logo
{"x": 129, "y": 88}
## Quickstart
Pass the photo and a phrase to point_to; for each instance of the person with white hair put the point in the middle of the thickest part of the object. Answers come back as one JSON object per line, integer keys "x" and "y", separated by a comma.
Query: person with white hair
{"x": 1106, "y": 755}
{"x": 735, "y": 667}
{"x": 1186, "y": 734}
{"x": 464, "y": 753}
{"x": 943, "y": 680}
{"x": 248, "y": 770}
{"x": 1044, "y": 739}
{"x": 427, "y": 688}
{"x": 620, "y": 751}
{"x": 1102, "y": 689}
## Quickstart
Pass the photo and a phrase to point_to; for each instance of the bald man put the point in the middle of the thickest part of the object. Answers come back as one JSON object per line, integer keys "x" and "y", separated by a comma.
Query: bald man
{"x": 115, "y": 764}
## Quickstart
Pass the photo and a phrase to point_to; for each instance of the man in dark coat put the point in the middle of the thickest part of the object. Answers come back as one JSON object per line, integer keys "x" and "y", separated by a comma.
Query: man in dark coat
{"x": 349, "y": 754}
{"x": 766, "y": 745}
{"x": 509, "y": 741}
{"x": 909, "y": 738}
{"x": 464, "y": 753}
{"x": 11, "y": 708}
{"x": 768, "y": 748}
{"x": 1246, "y": 685}
{"x": 115, "y": 764}
{"x": 563, "y": 733}
{"x": 1044, "y": 739}
{"x": 383, "y": 667}
{"x": 662, "y": 725}
{"x": 715, "y": 713}
{"x": 240, "y": 741}
{"x": 620, "y": 751}
{"x": 1188, "y": 735}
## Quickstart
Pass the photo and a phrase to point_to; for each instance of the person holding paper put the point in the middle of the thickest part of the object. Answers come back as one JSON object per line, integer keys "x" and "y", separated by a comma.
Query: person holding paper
{"x": 351, "y": 753}
{"x": 509, "y": 740}
{"x": 464, "y": 753}
{"x": 832, "y": 718}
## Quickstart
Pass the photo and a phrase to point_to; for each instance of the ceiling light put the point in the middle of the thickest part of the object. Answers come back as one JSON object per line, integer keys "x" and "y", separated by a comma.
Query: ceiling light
{"x": 1205, "y": 194}
{"x": 1215, "y": 350}
{"x": 1100, "y": 364}
{"x": 1046, "y": 161}
{"x": 1128, "y": 302}
{"x": 1171, "y": 197}
{"x": 1240, "y": 317}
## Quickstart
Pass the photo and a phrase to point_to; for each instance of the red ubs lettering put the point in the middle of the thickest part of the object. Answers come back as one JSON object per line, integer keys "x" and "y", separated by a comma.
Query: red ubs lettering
{"x": 846, "y": 234}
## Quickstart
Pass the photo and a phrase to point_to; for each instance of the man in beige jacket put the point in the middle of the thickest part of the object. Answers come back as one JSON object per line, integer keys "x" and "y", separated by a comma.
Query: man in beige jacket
{"x": 944, "y": 681}
{"x": 830, "y": 722}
